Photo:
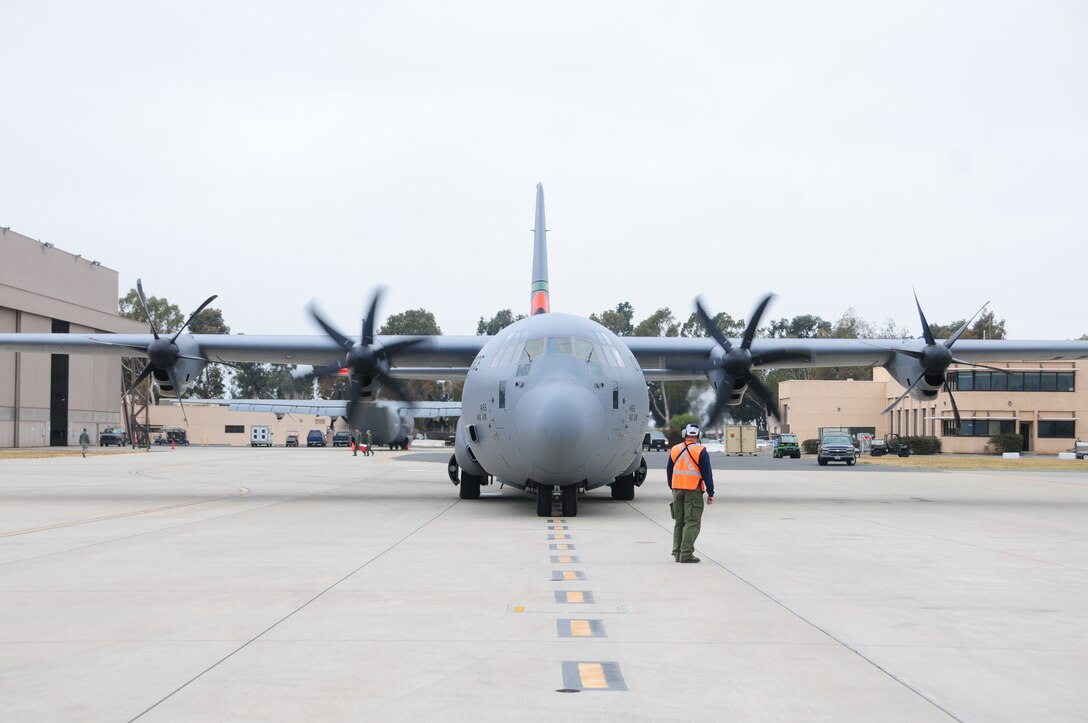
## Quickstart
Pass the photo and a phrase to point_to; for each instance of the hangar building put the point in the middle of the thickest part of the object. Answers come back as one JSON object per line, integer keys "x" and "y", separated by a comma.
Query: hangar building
{"x": 47, "y": 399}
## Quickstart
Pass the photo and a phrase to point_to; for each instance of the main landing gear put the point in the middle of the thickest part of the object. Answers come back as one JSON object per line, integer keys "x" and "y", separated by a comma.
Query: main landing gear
{"x": 568, "y": 498}
{"x": 543, "y": 500}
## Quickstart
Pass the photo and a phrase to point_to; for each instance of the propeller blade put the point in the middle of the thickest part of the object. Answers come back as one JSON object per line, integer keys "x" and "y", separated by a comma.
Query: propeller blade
{"x": 959, "y": 332}
{"x": 143, "y": 375}
{"x": 143, "y": 302}
{"x": 710, "y": 326}
{"x": 906, "y": 352}
{"x": 394, "y": 385}
{"x": 396, "y": 346}
{"x": 927, "y": 333}
{"x": 776, "y": 356}
{"x": 328, "y": 369}
{"x": 368, "y": 320}
{"x": 177, "y": 391}
{"x": 765, "y": 396}
{"x": 346, "y": 343}
{"x": 753, "y": 325}
{"x": 725, "y": 390}
{"x": 980, "y": 366}
{"x": 199, "y": 309}
{"x": 955, "y": 409}
{"x": 903, "y": 395}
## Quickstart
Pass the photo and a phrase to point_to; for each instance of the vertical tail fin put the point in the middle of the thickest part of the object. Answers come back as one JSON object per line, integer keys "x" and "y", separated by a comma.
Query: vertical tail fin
{"x": 538, "y": 300}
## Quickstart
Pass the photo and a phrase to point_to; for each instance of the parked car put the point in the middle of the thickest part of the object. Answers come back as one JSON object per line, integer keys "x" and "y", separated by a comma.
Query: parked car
{"x": 655, "y": 442}
{"x": 113, "y": 435}
{"x": 836, "y": 448}
{"x": 787, "y": 447}
{"x": 177, "y": 436}
{"x": 292, "y": 438}
{"x": 315, "y": 438}
{"x": 341, "y": 439}
{"x": 451, "y": 440}
{"x": 878, "y": 448}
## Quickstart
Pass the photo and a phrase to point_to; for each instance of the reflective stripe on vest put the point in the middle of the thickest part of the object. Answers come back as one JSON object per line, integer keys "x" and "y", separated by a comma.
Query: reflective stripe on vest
{"x": 685, "y": 469}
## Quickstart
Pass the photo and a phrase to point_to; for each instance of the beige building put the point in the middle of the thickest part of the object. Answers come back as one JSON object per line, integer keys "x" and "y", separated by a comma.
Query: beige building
{"x": 1041, "y": 401}
{"x": 47, "y": 399}
{"x": 216, "y": 425}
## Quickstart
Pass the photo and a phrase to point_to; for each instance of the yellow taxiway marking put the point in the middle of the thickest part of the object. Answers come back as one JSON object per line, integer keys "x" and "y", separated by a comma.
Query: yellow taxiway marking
{"x": 569, "y": 575}
{"x": 563, "y": 558}
{"x": 560, "y": 536}
{"x": 592, "y": 675}
{"x": 519, "y": 608}
{"x": 580, "y": 629}
{"x": 575, "y": 596}
{"x": 562, "y": 547}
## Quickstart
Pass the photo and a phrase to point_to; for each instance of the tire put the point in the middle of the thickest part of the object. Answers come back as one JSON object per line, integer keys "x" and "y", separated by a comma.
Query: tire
{"x": 470, "y": 486}
{"x": 797, "y": 456}
{"x": 851, "y": 462}
{"x": 623, "y": 488}
{"x": 569, "y": 496}
{"x": 543, "y": 500}
{"x": 822, "y": 461}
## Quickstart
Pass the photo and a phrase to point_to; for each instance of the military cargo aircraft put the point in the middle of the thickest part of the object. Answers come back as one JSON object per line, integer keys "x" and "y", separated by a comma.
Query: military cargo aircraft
{"x": 554, "y": 403}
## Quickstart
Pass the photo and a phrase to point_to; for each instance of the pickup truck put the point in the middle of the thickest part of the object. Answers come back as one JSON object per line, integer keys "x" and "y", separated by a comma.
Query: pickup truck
{"x": 836, "y": 448}
{"x": 112, "y": 435}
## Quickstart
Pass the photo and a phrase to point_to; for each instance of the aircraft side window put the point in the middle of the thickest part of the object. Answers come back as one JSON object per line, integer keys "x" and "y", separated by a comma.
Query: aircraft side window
{"x": 615, "y": 395}
{"x": 523, "y": 369}
{"x": 502, "y": 394}
{"x": 559, "y": 346}
{"x": 595, "y": 371}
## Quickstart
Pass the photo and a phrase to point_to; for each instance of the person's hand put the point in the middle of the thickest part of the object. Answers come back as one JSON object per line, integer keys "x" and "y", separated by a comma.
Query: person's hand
{"x": 710, "y": 500}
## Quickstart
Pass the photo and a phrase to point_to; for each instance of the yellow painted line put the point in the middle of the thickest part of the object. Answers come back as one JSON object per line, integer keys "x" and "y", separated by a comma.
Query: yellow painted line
{"x": 575, "y": 596}
{"x": 580, "y": 629}
{"x": 560, "y": 537}
{"x": 569, "y": 575}
{"x": 519, "y": 608}
{"x": 592, "y": 675}
{"x": 563, "y": 558}
{"x": 562, "y": 547}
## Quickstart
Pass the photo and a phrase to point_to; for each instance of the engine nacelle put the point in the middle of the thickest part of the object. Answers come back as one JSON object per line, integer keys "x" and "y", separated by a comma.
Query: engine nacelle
{"x": 466, "y": 435}
{"x": 736, "y": 395}
{"x": 186, "y": 371}
{"x": 905, "y": 370}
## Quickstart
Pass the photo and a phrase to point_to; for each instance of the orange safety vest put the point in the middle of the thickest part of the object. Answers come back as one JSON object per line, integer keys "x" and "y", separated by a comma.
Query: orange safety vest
{"x": 685, "y": 467}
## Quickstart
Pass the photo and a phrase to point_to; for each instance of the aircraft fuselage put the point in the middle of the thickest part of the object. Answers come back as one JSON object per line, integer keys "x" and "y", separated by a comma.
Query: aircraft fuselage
{"x": 553, "y": 399}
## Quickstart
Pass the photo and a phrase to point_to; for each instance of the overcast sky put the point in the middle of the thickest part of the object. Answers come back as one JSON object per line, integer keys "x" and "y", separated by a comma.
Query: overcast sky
{"x": 834, "y": 153}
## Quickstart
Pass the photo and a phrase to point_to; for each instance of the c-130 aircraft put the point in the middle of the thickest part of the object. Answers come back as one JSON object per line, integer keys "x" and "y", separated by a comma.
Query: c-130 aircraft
{"x": 553, "y": 402}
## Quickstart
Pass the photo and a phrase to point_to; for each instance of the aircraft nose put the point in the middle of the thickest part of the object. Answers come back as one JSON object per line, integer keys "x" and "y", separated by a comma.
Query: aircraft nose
{"x": 557, "y": 424}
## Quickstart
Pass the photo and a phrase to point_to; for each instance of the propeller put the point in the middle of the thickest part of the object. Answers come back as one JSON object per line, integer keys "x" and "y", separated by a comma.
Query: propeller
{"x": 737, "y": 362}
{"x": 934, "y": 359}
{"x": 162, "y": 353}
{"x": 364, "y": 359}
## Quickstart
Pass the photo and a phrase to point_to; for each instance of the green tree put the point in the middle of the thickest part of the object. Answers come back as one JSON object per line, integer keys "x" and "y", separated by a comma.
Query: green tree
{"x": 212, "y": 382}
{"x": 413, "y": 321}
{"x": 619, "y": 320}
{"x": 804, "y": 326}
{"x": 167, "y": 317}
{"x": 730, "y": 327}
{"x": 660, "y": 323}
{"x": 501, "y": 320}
{"x": 986, "y": 326}
{"x": 269, "y": 381}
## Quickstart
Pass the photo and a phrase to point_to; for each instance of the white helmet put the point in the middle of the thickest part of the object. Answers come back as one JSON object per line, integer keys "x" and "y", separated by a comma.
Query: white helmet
{"x": 692, "y": 430}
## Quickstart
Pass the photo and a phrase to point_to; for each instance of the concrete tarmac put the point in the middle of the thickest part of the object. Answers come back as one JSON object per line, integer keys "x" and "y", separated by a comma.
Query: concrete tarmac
{"x": 280, "y": 584}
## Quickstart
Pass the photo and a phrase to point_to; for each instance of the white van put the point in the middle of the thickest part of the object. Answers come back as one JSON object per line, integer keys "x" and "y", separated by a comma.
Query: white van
{"x": 260, "y": 435}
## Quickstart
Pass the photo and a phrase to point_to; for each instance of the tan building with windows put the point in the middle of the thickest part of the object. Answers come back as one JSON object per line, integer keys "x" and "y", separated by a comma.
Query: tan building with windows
{"x": 47, "y": 399}
{"x": 1041, "y": 401}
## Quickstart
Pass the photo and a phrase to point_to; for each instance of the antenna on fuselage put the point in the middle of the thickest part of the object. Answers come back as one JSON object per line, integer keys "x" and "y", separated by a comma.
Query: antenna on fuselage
{"x": 538, "y": 299}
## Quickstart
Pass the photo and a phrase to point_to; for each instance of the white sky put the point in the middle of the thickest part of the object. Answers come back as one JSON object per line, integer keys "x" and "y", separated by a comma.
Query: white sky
{"x": 835, "y": 153}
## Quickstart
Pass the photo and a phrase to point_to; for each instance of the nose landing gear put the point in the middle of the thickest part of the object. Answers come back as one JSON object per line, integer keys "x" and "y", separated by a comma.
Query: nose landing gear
{"x": 543, "y": 500}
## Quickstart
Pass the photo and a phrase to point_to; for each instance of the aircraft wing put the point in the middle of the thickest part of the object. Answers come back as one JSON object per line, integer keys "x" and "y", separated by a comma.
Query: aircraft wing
{"x": 669, "y": 358}
{"x": 337, "y": 407}
{"x": 431, "y": 357}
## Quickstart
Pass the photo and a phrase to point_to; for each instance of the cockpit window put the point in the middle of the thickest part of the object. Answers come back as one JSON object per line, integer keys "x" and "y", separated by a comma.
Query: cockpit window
{"x": 534, "y": 349}
{"x": 584, "y": 350}
{"x": 559, "y": 346}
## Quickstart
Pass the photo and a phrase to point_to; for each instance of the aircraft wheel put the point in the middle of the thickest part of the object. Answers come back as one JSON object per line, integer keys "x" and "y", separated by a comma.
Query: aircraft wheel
{"x": 570, "y": 500}
{"x": 470, "y": 486}
{"x": 623, "y": 488}
{"x": 543, "y": 500}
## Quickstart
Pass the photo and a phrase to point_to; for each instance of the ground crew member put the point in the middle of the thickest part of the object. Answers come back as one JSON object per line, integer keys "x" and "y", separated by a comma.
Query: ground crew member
{"x": 84, "y": 441}
{"x": 369, "y": 443}
{"x": 356, "y": 440}
{"x": 689, "y": 475}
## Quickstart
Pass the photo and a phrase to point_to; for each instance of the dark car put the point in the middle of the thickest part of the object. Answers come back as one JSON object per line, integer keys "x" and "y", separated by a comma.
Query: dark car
{"x": 836, "y": 448}
{"x": 292, "y": 438}
{"x": 655, "y": 442}
{"x": 315, "y": 438}
{"x": 177, "y": 436}
{"x": 113, "y": 435}
{"x": 341, "y": 439}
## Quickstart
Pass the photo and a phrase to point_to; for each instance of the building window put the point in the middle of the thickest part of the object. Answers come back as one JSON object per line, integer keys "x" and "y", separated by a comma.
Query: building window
{"x": 986, "y": 381}
{"x": 235, "y": 429}
{"x": 979, "y": 427}
{"x": 1057, "y": 429}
